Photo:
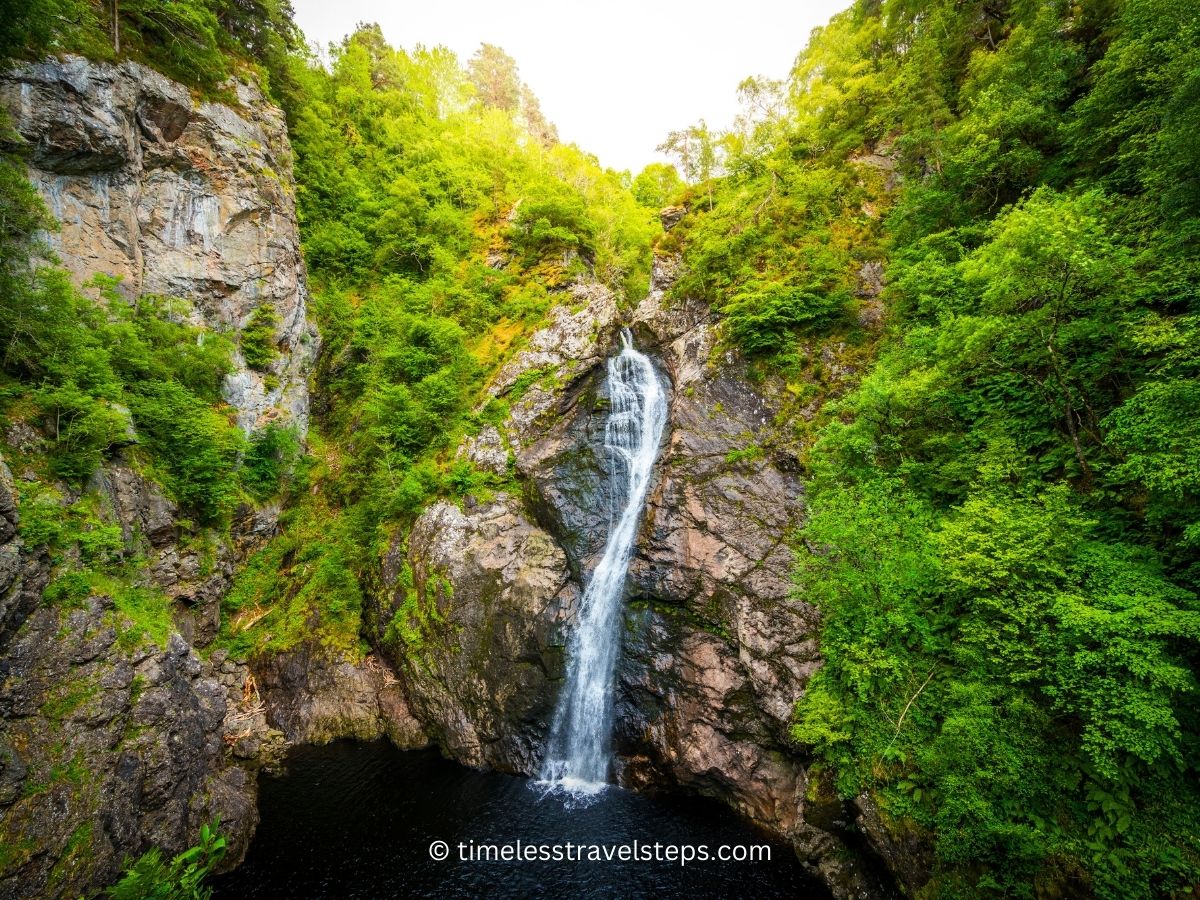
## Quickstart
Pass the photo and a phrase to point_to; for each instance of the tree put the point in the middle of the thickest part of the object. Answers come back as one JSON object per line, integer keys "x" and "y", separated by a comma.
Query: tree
{"x": 494, "y": 74}
{"x": 34, "y": 26}
{"x": 695, "y": 147}
{"x": 535, "y": 123}
{"x": 657, "y": 185}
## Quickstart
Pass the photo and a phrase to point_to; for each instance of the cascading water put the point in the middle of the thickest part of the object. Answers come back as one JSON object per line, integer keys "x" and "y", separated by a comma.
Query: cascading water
{"x": 578, "y": 752}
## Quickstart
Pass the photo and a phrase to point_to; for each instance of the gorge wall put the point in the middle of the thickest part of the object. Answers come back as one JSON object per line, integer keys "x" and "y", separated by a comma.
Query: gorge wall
{"x": 181, "y": 198}
{"x": 110, "y": 743}
{"x": 716, "y": 647}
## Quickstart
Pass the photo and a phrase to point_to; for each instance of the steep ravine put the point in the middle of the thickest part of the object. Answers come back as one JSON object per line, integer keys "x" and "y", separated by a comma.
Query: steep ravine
{"x": 112, "y": 748}
{"x": 716, "y": 649}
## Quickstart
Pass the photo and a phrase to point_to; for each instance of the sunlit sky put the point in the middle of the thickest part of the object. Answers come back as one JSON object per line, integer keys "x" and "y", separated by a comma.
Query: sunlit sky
{"x": 614, "y": 76}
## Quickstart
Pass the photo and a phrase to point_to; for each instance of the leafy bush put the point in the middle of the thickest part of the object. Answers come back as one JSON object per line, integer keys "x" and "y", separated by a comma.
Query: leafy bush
{"x": 196, "y": 446}
{"x": 761, "y": 318}
{"x": 270, "y": 455}
{"x": 657, "y": 185}
{"x": 259, "y": 349}
{"x": 82, "y": 428}
{"x": 182, "y": 878}
{"x": 552, "y": 223}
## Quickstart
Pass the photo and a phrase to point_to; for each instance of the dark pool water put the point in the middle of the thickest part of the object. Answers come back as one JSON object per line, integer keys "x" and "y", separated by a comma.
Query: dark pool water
{"x": 356, "y": 820}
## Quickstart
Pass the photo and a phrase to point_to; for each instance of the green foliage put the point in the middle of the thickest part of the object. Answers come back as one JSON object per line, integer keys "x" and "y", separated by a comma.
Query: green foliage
{"x": 102, "y": 373}
{"x": 180, "y": 37}
{"x": 195, "y": 447}
{"x": 440, "y": 217}
{"x": 788, "y": 268}
{"x": 151, "y": 877}
{"x": 32, "y": 27}
{"x": 270, "y": 456}
{"x": 301, "y": 588}
{"x": 1003, "y": 512}
{"x": 418, "y": 610}
{"x": 198, "y": 42}
{"x": 761, "y": 317}
{"x": 657, "y": 185}
{"x": 258, "y": 338}
{"x": 91, "y": 558}
{"x": 552, "y": 223}
{"x": 143, "y": 613}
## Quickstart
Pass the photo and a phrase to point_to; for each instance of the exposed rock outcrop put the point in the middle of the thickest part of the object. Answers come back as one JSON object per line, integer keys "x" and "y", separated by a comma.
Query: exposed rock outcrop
{"x": 315, "y": 698}
{"x": 185, "y": 199}
{"x": 108, "y": 750}
{"x": 716, "y": 647}
{"x": 474, "y": 612}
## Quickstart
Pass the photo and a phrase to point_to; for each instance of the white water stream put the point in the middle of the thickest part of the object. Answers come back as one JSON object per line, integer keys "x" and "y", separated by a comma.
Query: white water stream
{"x": 579, "y": 752}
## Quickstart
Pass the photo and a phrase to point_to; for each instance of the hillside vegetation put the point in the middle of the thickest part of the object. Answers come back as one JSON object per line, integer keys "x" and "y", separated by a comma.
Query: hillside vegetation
{"x": 988, "y": 210}
{"x": 1004, "y": 511}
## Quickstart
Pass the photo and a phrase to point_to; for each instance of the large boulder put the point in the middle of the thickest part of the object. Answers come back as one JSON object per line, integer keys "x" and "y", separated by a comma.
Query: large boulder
{"x": 475, "y": 603}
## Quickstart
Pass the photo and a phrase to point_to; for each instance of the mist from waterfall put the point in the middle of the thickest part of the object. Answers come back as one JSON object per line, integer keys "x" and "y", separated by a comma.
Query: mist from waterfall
{"x": 579, "y": 749}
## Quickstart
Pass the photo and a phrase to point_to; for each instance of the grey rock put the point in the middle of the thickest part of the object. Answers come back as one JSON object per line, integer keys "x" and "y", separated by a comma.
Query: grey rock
{"x": 138, "y": 504}
{"x": 671, "y": 215}
{"x": 135, "y": 747}
{"x": 21, "y": 436}
{"x": 176, "y": 197}
{"x": 578, "y": 336}
{"x": 23, "y": 574}
{"x": 487, "y": 450}
{"x": 493, "y": 589}
{"x": 314, "y": 696}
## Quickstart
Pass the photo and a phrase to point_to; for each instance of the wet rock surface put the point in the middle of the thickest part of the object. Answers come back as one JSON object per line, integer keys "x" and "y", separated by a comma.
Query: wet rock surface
{"x": 473, "y": 620}
{"x": 717, "y": 649}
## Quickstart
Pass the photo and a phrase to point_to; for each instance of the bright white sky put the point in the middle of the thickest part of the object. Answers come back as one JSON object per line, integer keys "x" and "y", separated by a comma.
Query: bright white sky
{"x": 614, "y": 76}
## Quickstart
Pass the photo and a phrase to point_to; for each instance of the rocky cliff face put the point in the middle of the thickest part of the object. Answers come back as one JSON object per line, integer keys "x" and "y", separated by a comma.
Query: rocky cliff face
{"x": 716, "y": 648}
{"x": 182, "y": 198}
{"x": 111, "y": 744}
{"x": 107, "y": 752}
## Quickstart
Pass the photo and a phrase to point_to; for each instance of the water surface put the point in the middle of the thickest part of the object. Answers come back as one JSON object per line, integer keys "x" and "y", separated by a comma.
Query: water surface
{"x": 356, "y": 820}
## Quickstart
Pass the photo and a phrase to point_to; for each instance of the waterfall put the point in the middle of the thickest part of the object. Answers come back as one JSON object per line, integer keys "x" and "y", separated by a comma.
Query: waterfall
{"x": 578, "y": 752}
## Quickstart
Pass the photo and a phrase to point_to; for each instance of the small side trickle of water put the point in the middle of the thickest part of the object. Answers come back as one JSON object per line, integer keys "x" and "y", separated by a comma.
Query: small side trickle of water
{"x": 578, "y": 752}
